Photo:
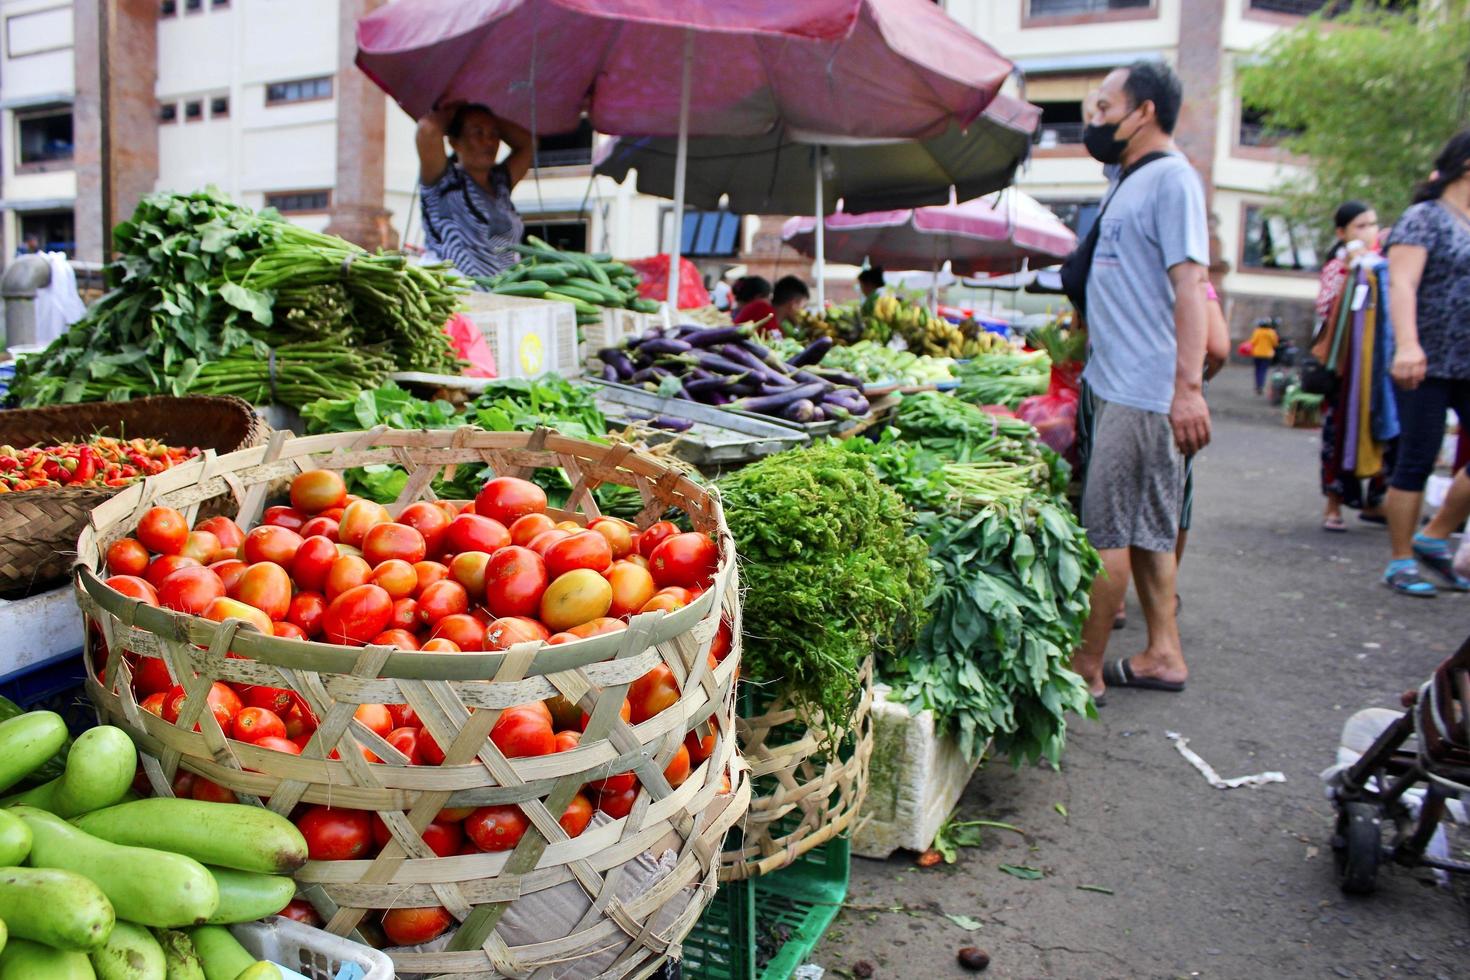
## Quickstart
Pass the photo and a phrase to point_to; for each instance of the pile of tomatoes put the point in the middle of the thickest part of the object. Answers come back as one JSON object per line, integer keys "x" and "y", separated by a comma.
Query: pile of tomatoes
{"x": 439, "y": 578}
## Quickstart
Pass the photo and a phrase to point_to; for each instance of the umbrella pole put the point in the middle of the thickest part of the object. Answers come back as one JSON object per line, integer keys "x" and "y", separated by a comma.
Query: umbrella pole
{"x": 821, "y": 239}
{"x": 681, "y": 165}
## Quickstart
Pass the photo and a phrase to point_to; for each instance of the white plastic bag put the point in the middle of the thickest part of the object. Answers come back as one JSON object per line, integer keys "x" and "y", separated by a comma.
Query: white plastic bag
{"x": 57, "y": 305}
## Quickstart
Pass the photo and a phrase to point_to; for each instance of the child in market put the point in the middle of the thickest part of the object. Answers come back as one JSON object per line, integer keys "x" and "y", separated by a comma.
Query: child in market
{"x": 1263, "y": 343}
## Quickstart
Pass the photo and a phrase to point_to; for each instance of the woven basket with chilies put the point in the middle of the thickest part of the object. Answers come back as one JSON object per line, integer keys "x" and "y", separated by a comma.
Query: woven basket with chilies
{"x": 615, "y": 901}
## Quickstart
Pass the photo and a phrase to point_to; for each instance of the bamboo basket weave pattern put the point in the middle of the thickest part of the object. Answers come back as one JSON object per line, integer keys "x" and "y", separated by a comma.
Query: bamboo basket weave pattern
{"x": 803, "y": 795}
{"x": 39, "y": 528}
{"x": 623, "y": 932}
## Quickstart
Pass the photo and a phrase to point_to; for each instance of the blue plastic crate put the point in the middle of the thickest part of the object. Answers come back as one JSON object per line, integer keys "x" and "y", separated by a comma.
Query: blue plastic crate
{"x": 54, "y": 686}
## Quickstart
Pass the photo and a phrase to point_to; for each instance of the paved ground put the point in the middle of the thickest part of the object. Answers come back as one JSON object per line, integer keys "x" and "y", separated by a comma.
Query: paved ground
{"x": 1287, "y": 632}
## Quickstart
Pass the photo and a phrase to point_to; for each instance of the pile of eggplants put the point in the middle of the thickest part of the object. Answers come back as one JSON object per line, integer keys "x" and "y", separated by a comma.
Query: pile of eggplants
{"x": 728, "y": 366}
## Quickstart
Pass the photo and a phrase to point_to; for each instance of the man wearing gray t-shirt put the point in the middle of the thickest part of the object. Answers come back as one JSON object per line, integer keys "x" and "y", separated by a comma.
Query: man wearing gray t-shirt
{"x": 1146, "y": 322}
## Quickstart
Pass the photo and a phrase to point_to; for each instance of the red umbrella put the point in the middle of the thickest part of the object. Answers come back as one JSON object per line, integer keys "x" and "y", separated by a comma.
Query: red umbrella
{"x": 854, "y": 68}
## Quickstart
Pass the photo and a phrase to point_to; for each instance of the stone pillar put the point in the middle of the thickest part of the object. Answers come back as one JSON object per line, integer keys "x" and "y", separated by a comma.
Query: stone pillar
{"x": 357, "y": 212}
{"x": 1200, "y": 64}
{"x": 115, "y": 116}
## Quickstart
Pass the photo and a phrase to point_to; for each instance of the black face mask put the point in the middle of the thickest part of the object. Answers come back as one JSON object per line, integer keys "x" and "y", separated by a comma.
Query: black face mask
{"x": 1103, "y": 143}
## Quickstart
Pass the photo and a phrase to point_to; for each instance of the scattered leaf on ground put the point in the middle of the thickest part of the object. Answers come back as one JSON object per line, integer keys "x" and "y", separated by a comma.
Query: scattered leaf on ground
{"x": 1060, "y": 809}
{"x": 1095, "y": 888}
{"x": 963, "y": 921}
{"x": 1023, "y": 871}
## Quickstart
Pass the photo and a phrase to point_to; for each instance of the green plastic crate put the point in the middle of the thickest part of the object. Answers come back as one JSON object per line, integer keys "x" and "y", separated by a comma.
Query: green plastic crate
{"x": 803, "y": 898}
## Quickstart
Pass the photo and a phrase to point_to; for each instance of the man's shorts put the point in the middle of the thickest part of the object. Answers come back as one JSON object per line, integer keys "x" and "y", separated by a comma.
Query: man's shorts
{"x": 1135, "y": 479}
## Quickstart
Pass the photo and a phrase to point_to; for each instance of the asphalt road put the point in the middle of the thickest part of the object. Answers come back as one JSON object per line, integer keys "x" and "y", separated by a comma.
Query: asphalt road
{"x": 1288, "y": 632}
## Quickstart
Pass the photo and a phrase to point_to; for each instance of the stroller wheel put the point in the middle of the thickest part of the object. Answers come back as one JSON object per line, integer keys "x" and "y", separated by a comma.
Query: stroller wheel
{"x": 1357, "y": 847}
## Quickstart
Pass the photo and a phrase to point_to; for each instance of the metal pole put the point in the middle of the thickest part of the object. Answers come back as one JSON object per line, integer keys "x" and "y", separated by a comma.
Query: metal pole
{"x": 681, "y": 165}
{"x": 820, "y": 212}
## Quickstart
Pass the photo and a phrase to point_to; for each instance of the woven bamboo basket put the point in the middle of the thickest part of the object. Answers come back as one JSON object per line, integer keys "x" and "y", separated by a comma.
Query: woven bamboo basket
{"x": 804, "y": 795}
{"x": 618, "y": 931}
{"x": 38, "y": 529}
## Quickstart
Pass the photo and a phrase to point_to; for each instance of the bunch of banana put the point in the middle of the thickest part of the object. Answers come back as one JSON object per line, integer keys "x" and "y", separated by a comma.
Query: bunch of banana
{"x": 982, "y": 343}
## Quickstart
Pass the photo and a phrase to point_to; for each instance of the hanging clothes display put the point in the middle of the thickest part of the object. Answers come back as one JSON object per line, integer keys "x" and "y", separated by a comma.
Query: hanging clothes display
{"x": 1356, "y": 343}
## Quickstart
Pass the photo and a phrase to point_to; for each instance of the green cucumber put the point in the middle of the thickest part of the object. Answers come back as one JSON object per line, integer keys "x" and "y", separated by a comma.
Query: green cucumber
{"x": 221, "y": 953}
{"x": 581, "y": 305}
{"x": 594, "y": 296}
{"x": 144, "y": 885}
{"x": 245, "y": 896}
{"x": 607, "y": 294}
{"x": 25, "y": 960}
{"x": 130, "y": 953}
{"x": 58, "y": 908}
{"x": 99, "y": 770}
{"x": 262, "y": 970}
{"x": 542, "y": 251}
{"x": 4, "y": 935}
{"x": 645, "y": 305}
{"x": 618, "y": 270}
{"x": 26, "y": 742}
{"x": 531, "y": 288}
{"x": 15, "y": 839}
{"x": 180, "y": 956}
{"x": 230, "y": 835}
{"x": 555, "y": 272}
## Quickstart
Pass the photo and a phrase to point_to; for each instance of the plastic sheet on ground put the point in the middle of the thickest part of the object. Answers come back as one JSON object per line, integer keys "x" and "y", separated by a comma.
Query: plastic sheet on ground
{"x": 1214, "y": 778}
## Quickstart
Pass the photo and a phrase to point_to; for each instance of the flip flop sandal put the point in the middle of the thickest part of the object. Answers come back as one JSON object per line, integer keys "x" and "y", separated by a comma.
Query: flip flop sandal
{"x": 1372, "y": 518}
{"x": 1119, "y": 673}
{"x": 1407, "y": 581}
{"x": 1334, "y": 525}
{"x": 1100, "y": 700}
{"x": 1120, "y": 621}
{"x": 1441, "y": 561}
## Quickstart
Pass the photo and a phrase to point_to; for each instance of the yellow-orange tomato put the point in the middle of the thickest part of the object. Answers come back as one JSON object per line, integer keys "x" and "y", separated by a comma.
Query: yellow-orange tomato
{"x": 266, "y": 586}
{"x": 638, "y": 560}
{"x": 222, "y": 609}
{"x": 468, "y": 569}
{"x": 396, "y": 577}
{"x": 632, "y": 587}
{"x": 570, "y": 526}
{"x": 347, "y": 572}
{"x": 525, "y": 529}
{"x": 577, "y": 597}
{"x": 360, "y": 517}
{"x": 317, "y": 490}
{"x": 619, "y": 535}
{"x": 202, "y": 546}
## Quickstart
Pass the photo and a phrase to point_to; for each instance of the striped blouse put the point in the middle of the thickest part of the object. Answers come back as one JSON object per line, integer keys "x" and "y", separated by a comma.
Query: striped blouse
{"x": 468, "y": 226}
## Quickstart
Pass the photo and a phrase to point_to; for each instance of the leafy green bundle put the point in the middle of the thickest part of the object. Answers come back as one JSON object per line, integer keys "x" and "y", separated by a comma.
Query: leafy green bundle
{"x": 832, "y": 572}
{"x": 1004, "y": 379}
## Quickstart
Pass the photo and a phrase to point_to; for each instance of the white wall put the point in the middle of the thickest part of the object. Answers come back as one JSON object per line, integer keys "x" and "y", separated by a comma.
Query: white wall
{"x": 37, "y": 36}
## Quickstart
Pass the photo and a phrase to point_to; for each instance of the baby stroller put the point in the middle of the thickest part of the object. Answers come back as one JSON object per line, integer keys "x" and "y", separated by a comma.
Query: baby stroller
{"x": 1429, "y": 744}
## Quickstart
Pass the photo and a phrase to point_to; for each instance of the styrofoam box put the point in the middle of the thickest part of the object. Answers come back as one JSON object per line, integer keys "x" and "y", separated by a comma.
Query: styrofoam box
{"x": 529, "y": 337}
{"x": 39, "y": 628}
{"x": 915, "y": 778}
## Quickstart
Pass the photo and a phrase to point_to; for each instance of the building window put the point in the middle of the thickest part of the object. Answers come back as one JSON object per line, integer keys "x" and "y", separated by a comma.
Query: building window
{"x": 299, "y": 90}
{"x": 1303, "y": 8}
{"x": 1071, "y": 8}
{"x": 219, "y": 107}
{"x": 710, "y": 233}
{"x": 168, "y": 8}
{"x": 47, "y": 231}
{"x": 168, "y": 112}
{"x": 299, "y": 202}
{"x": 1256, "y": 129}
{"x": 571, "y": 150}
{"x": 193, "y": 6}
{"x": 44, "y": 137}
{"x": 219, "y": 4}
{"x": 193, "y": 110}
{"x": 563, "y": 234}
{"x": 1061, "y": 123}
{"x": 1273, "y": 242}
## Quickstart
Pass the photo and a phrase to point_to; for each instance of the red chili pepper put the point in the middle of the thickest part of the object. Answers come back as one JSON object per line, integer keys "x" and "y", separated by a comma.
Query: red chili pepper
{"x": 86, "y": 466}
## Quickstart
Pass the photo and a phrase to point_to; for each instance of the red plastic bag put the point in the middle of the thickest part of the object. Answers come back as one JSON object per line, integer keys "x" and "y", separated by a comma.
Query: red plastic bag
{"x": 655, "y": 281}
{"x": 470, "y": 345}
{"x": 1055, "y": 417}
{"x": 1066, "y": 377}
{"x": 1244, "y": 350}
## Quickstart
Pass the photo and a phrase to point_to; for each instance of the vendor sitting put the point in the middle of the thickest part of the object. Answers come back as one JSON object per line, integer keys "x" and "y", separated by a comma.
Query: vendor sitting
{"x": 752, "y": 295}
{"x": 469, "y": 220}
{"x": 788, "y": 299}
{"x": 870, "y": 281}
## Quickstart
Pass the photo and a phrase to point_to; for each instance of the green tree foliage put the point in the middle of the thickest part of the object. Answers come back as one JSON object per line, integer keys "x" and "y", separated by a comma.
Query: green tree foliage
{"x": 1370, "y": 95}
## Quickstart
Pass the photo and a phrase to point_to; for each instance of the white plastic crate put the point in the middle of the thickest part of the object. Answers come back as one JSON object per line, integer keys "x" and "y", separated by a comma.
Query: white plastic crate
{"x": 616, "y": 326}
{"x": 314, "y": 953}
{"x": 529, "y": 337}
{"x": 39, "y": 628}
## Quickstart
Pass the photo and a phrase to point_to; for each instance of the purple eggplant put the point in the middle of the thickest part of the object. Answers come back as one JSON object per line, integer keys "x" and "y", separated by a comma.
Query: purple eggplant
{"x": 818, "y": 415}
{"x": 839, "y": 378}
{"x": 647, "y": 374}
{"x": 609, "y": 373}
{"x": 847, "y": 400}
{"x": 777, "y": 403}
{"x": 704, "y": 386}
{"x": 764, "y": 354}
{"x": 673, "y": 424}
{"x": 711, "y": 361}
{"x": 801, "y": 410}
{"x": 713, "y": 336}
{"x": 813, "y": 352}
{"x": 720, "y": 398}
{"x": 617, "y": 360}
{"x": 663, "y": 345}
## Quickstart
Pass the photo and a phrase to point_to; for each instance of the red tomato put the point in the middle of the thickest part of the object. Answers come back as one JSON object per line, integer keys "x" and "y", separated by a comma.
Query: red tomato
{"x": 632, "y": 587}
{"x": 163, "y": 566}
{"x": 496, "y": 828}
{"x": 183, "y": 784}
{"x": 406, "y": 740}
{"x": 638, "y": 560}
{"x": 151, "y": 677}
{"x": 402, "y": 639}
{"x": 314, "y": 491}
{"x": 392, "y": 540}
{"x": 442, "y": 599}
{"x": 287, "y": 630}
{"x": 299, "y": 725}
{"x": 524, "y": 529}
{"x": 699, "y": 748}
{"x": 300, "y": 910}
{"x": 287, "y": 517}
{"x": 357, "y": 615}
{"x": 678, "y": 769}
{"x": 483, "y": 615}
{"x": 201, "y": 546}
{"x": 584, "y": 549}
{"x": 395, "y": 576}
{"x": 619, "y": 535}
{"x": 224, "y": 608}
{"x": 404, "y": 716}
{"x": 468, "y": 569}
{"x": 320, "y": 526}
{"x": 223, "y": 702}
{"x": 515, "y": 579}
{"x": 654, "y": 535}
{"x": 687, "y": 559}
{"x": 312, "y": 561}
{"x": 376, "y": 717}
{"x": 474, "y": 532}
{"x": 271, "y": 543}
{"x": 190, "y": 590}
{"x": 504, "y": 633}
{"x": 614, "y": 784}
{"x": 506, "y": 498}
{"x": 254, "y": 724}
{"x": 574, "y": 598}
{"x": 625, "y": 711}
{"x": 277, "y": 699}
{"x": 413, "y": 926}
{"x": 230, "y": 571}
{"x": 546, "y": 539}
{"x": 719, "y": 647}
{"x": 519, "y": 733}
{"x": 430, "y": 521}
{"x": 208, "y": 791}
{"x": 564, "y": 714}
{"x": 346, "y": 572}
{"x": 307, "y": 612}
{"x": 428, "y": 573}
{"x": 464, "y": 629}
{"x": 163, "y": 530}
{"x": 577, "y": 816}
{"x": 566, "y": 741}
{"x": 134, "y": 588}
{"x": 358, "y": 518}
{"x": 227, "y": 531}
{"x": 127, "y": 556}
{"x": 440, "y": 645}
{"x": 336, "y": 834}
{"x": 663, "y": 602}
{"x": 617, "y": 803}
{"x": 405, "y": 615}
{"x": 652, "y": 693}
{"x": 430, "y": 752}
{"x": 266, "y": 586}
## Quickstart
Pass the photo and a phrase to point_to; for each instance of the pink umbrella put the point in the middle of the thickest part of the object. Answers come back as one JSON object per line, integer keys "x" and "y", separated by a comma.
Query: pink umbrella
{"x": 851, "y": 68}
